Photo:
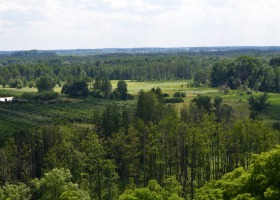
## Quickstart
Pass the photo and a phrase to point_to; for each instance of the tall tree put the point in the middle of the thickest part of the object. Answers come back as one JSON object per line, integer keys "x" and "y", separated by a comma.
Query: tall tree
{"x": 100, "y": 175}
{"x": 45, "y": 84}
{"x": 122, "y": 89}
{"x": 148, "y": 106}
{"x": 258, "y": 104}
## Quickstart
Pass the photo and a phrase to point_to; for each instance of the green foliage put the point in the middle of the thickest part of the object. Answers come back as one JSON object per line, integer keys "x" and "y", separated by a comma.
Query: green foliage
{"x": 64, "y": 153}
{"x": 203, "y": 102}
{"x": 31, "y": 84}
{"x": 274, "y": 62}
{"x": 45, "y": 84}
{"x": 121, "y": 93}
{"x": 200, "y": 78}
{"x": 218, "y": 73}
{"x": 111, "y": 146}
{"x": 107, "y": 88}
{"x": 172, "y": 185}
{"x": 122, "y": 89}
{"x": 115, "y": 117}
{"x": 56, "y": 185}
{"x": 174, "y": 100}
{"x": 260, "y": 181}
{"x": 103, "y": 85}
{"x": 153, "y": 192}
{"x": 17, "y": 83}
{"x": 99, "y": 172}
{"x": 15, "y": 192}
{"x": 74, "y": 195}
{"x": 76, "y": 89}
{"x": 179, "y": 94}
{"x": 258, "y": 104}
{"x": 246, "y": 71}
{"x": 33, "y": 53}
{"x": 42, "y": 96}
{"x": 158, "y": 92}
{"x": 148, "y": 106}
{"x": 222, "y": 111}
{"x": 8, "y": 159}
{"x": 195, "y": 147}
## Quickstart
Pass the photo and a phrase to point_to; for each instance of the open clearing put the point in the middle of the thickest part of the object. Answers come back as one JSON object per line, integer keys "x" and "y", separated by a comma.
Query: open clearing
{"x": 235, "y": 99}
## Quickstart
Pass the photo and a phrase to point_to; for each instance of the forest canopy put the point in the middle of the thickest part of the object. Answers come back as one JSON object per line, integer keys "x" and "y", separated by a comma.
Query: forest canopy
{"x": 96, "y": 140}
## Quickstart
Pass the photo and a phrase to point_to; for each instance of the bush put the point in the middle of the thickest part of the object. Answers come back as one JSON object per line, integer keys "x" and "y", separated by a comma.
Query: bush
{"x": 43, "y": 96}
{"x": 249, "y": 91}
{"x": 276, "y": 126}
{"x": 174, "y": 100}
{"x": 96, "y": 94}
{"x": 179, "y": 94}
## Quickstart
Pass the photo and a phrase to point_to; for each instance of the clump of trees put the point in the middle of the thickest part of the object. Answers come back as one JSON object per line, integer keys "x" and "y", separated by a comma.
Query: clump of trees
{"x": 45, "y": 84}
{"x": 248, "y": 72}
{"x": 76, "y": 89}
{"x": 258, "y": 104}
{"x": 102, "y": 88}
{"x": 259, "y": 181}
{"x": 41, "y": 96}
{"x": 121, "y": 92}
{"x": 154, "y": 191}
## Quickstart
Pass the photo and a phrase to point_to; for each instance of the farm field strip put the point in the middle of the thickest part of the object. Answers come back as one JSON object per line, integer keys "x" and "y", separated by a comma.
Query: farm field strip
{"x": 14, "y": 115}
{"x": 89, "y": 111}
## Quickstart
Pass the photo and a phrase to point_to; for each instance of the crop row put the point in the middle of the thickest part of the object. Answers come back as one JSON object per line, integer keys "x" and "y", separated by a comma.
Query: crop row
{"x": 36, "y": 114}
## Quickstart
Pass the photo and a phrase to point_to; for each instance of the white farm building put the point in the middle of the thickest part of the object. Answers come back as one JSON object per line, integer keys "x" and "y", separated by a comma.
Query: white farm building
{"x": 5, "y": 99}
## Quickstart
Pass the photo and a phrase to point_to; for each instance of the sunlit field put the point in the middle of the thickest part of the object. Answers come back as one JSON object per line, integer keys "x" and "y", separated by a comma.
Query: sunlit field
{"x": 236, "y": 99}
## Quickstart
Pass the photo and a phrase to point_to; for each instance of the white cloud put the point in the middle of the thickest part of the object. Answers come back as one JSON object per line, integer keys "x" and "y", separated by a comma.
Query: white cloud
{"x": 62, "y": 24}
{"x": 139, "y": 5}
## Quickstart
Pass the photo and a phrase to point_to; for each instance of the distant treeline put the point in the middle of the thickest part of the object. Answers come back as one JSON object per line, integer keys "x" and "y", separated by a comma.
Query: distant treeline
{"x": 33, "y": 53}
{"x": 256, "y": 72}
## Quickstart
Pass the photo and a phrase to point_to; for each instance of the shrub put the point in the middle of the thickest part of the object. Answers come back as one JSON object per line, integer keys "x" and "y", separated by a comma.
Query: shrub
{"x": 43, "y": 96}
{"x": 174, "y": 100}
{"x": 179, "y": 94}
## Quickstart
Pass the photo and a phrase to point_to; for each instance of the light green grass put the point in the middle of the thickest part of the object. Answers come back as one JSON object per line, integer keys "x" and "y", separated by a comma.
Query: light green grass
{"x": 234, "y": 99}
{"x": 238, "y": 101}
{"x": 27, "y": 89}
{"x": 169, "y": 87}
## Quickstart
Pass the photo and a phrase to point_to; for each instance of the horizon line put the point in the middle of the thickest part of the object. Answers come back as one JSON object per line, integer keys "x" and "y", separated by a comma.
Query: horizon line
{"x": 155, "y": 47}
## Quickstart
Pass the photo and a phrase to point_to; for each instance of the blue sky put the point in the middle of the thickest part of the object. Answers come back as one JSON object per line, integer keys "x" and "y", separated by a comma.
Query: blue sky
{"x": 71, "y": 24}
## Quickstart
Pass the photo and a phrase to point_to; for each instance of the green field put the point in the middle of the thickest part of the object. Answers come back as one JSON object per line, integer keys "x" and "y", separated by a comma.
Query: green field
{"x": 25, "y": 89}
{"x": 87, "y": 112}
{"x": 235, "y": 98}
{"x": 19, "y": 116}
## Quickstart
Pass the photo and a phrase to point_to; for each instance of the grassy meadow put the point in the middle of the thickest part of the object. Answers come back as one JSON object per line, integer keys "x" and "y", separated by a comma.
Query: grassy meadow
{"x": 235, "y": 98}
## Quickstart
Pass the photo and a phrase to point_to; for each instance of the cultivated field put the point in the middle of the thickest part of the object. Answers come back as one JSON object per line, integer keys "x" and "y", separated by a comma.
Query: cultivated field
{"x": 236, "y": 99}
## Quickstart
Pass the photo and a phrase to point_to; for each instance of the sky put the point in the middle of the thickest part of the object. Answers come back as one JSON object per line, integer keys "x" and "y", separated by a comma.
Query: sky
{"x": 91, "y": 24}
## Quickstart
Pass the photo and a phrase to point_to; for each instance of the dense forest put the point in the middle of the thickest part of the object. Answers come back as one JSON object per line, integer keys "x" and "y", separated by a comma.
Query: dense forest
{"x": 257, "y": 72}
{"x": 93, "y": 141}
